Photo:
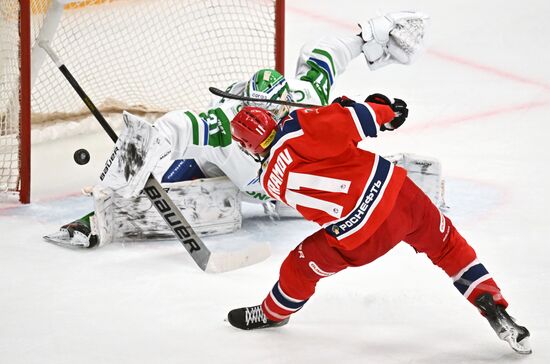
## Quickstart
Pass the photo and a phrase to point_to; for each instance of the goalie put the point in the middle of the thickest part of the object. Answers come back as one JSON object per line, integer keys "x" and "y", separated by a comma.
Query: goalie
{"x": 201, "y": 143}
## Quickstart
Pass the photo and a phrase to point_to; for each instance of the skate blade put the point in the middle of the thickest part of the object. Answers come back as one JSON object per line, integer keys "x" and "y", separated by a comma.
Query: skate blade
{"x": 522, "y": 347}
{"x": 62, "y": 238}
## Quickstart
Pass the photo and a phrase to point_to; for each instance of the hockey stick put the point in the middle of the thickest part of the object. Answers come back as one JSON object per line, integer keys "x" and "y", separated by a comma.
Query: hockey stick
{"x": 170, "y": 213}
{"x": 227, "y": 95}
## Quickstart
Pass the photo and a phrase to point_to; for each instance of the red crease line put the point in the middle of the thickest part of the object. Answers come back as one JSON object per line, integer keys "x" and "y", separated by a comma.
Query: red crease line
{"x": 441, "y": 123}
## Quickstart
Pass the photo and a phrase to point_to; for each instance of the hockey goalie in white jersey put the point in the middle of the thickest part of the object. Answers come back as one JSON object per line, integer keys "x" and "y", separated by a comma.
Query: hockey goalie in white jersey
{"x": 193, "y": 154}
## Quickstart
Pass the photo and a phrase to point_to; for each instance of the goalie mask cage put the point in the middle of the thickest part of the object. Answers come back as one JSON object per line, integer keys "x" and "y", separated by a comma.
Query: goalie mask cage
{"x": 137, "y": 55}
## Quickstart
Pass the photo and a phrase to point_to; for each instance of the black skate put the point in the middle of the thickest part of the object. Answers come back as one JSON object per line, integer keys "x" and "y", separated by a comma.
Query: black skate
{"x": 251, "y": 318}
{"x": 75, "y": 234}
{"x": 504, "y": 326}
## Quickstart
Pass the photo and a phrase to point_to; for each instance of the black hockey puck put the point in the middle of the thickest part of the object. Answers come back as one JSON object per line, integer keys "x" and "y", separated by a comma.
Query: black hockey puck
{"x": 81, "y": 156}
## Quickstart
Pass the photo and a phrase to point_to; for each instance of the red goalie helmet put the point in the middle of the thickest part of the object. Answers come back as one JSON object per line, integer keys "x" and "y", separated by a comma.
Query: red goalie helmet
{"x": 254, "y": 129}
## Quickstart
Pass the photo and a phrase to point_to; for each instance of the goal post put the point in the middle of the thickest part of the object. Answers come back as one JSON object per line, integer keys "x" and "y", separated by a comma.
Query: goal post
{"x": 15, "y": 99}
{"x": 25, "y": 112}
{"x": 136, "y": 55}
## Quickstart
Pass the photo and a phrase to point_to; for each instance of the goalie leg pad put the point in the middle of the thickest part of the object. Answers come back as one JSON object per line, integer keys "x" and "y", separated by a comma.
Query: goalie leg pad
{"x": 103, "y": 207}
{"x": 425, "y": 172}
{"x": 212, "y": 206}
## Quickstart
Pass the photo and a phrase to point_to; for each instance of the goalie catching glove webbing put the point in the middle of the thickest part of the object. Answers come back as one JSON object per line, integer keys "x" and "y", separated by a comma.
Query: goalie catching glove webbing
{"x": 393, "y": 38}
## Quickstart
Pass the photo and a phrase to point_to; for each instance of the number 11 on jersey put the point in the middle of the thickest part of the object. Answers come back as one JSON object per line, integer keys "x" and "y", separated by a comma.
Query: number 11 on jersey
{"x": 320, "y": 183}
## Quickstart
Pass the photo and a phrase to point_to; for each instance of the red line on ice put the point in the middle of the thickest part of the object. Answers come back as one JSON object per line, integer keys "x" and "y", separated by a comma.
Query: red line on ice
{"x": 444, "y": 122}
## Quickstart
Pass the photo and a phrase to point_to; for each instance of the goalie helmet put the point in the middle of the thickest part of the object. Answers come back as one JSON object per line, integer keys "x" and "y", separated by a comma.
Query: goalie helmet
{"x": 254, "y": 129}
{"x": 269, "y": 84}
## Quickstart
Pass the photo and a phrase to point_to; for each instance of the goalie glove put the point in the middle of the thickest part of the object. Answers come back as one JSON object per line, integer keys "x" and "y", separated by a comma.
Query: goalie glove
{"x": 398, "y": 106}
{"x": 393, "y": 38}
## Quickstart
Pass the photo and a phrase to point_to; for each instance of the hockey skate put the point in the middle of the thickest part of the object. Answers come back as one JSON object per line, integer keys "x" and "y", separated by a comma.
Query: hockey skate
{"x": 504, "y": 325}
{"x": 75, "y": 234}
{"x": 251, "y": 318}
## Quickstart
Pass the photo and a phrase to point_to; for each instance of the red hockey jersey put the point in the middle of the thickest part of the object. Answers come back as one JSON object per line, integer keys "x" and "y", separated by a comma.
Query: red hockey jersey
{"x": 316, "y": 166}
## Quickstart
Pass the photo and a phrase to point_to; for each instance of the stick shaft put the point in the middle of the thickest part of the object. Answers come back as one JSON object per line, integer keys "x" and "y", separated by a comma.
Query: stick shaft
{"x": 228, "y": 95}
{"x": 153, "y": 189}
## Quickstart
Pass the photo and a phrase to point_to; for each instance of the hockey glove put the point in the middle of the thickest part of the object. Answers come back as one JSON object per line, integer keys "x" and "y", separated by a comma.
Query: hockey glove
{"x": 344, "y": 101}
{"x": 398, "y": 106}
{"x": 396, "y": 37}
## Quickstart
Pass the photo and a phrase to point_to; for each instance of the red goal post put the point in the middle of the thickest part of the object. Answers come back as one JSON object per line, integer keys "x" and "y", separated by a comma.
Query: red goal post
{"x": 147, "y": 55}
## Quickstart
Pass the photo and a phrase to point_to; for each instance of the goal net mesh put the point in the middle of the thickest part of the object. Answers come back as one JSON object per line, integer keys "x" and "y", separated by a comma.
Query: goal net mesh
{"x": 138, "y": 55}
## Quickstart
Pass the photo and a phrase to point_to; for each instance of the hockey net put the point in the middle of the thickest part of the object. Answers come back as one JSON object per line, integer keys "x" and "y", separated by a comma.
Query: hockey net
{"x": 136, "y": 55}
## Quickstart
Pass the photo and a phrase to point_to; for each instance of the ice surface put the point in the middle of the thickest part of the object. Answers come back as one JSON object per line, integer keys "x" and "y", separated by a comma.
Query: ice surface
{"x": 479, "y": 100}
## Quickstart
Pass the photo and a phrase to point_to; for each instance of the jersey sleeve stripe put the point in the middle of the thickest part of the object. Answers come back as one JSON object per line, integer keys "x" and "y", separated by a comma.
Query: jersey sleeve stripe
{"x": 205, "y": 132}
{"x": 325, "y": 67}
{"x": 194, "y": 126}
{"x": 326, "y": 55}
{"x": 365, "y": 120}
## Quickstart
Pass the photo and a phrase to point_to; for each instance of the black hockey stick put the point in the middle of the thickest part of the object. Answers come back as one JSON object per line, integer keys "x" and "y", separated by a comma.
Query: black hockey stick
{"x": 227, "y": 95}
{"x": 153, "y": 190}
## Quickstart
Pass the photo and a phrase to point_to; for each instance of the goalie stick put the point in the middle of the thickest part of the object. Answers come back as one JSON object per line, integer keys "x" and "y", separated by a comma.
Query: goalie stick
{"x": 227, "y": 95}
{"x": 170, "y": 213}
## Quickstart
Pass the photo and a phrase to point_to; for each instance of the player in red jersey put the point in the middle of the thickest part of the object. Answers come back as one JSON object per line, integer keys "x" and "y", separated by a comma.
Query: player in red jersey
{"x": 314, "y": 161}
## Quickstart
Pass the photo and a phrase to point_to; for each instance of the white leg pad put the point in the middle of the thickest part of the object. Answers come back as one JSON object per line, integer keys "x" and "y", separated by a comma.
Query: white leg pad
{"x": 425, "y": 172}
{"x": 103, "y": 216}
{"x": 212, "y": 206}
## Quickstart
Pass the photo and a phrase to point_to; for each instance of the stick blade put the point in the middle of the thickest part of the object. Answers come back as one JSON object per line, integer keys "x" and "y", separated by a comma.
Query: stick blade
{"x": 225, "y": 261}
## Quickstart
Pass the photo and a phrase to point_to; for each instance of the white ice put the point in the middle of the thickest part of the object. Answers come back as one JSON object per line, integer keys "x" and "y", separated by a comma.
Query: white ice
{"x": 479, "y": 101}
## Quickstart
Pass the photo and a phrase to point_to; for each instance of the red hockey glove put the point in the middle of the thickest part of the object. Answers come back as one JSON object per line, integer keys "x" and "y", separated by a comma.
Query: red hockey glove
{"x": 398, "y": 106}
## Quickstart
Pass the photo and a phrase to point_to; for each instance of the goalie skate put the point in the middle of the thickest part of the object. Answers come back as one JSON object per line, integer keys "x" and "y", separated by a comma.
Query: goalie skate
{"x": 76, "y": 234}
{"x": 505, "y": 327}
{"x": 251, "y": 318}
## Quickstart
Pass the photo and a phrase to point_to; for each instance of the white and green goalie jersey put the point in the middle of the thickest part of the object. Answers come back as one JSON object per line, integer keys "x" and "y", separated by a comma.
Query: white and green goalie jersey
{"x": 209, "y": 142}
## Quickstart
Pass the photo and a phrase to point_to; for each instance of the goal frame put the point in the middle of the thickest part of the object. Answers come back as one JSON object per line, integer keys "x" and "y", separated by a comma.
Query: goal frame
{"x": 25, "y": 54}
{"x": 25, "y": 101}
